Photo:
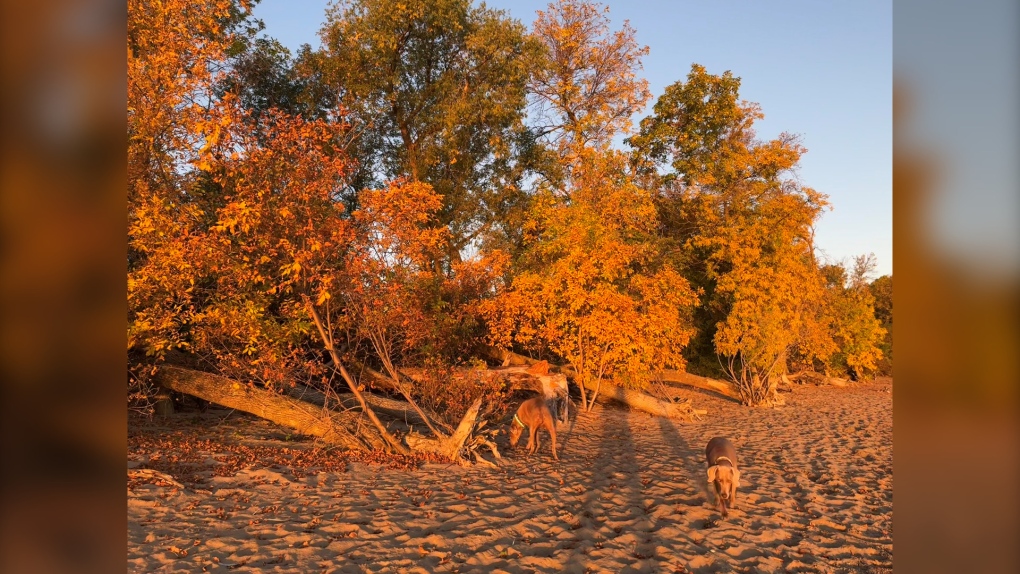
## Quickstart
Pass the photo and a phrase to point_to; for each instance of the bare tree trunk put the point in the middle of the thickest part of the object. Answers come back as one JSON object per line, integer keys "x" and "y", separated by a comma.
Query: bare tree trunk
{"x": 595, "y": 393}
{"x": 755, "y": 388}
{"x": 390, "y": 407}
{"x": 164, "y": 405}
{"x": 645, "y": 402}
{"x": 382, "y": 350}
{"x": 327, "y": 340}
{"x": 306, "y": 418}
{"x": 584, "y": 398}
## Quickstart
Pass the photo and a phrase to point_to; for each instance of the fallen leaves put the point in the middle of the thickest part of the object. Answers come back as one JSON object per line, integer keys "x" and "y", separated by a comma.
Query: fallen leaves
{"x": 183, "y": 455}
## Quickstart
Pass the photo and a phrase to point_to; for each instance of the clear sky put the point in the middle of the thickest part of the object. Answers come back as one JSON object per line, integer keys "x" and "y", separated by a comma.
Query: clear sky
{"x": 822, "y": 70}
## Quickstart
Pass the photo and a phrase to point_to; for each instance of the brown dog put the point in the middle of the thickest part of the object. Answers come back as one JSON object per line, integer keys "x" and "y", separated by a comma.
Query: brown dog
{"x": 722, "y": 472}
{"x": 533, "y": 414}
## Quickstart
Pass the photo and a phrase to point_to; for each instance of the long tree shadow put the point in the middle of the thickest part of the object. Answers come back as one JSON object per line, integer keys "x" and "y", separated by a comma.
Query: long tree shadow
{"x": 683, "y": 458}
{"x": 614, "y": 475}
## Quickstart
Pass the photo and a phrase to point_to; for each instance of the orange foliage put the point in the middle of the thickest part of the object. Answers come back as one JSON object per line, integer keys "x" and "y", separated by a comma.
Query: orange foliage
{"x": 846, "y": 323}
{"x": 240, "y": 239}
{"x": 594, "y": 293}
{"x": 272, "y": 233}
{"x": 173, "y": 50}
{"x": 588, "y": 85}
{"x": 746, "y": 224}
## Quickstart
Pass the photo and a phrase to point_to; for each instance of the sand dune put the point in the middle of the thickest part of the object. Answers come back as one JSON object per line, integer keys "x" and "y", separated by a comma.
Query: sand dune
{"x": 629, "y": 495}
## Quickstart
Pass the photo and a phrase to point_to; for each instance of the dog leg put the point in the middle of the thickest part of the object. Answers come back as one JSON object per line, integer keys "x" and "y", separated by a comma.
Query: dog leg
{"x": 552, "y": 436}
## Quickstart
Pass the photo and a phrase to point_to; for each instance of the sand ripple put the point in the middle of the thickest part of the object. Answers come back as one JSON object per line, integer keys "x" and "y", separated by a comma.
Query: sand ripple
{"x": 629, "y": 495}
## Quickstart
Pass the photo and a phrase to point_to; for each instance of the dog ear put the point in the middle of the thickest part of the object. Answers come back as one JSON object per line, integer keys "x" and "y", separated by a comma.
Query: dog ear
{"x": 711, "y": 473}
{"x": 736, "y": 478}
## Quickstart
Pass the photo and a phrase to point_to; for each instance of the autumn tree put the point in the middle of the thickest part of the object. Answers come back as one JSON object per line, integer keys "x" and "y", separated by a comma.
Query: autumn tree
{"x": 174, "y": 53}
{"x": 742, "y": 227}
{"x": 407, "y": 312}
{"x": 595, "y": 295}
{"x": 882, "y": 290}
{"x": 264, "y": 75}
{"x": 591, "y": 288}
{"x": 436, "y": 91}
{"x": 849, "y": 311}
{"x": 587, "y": 86}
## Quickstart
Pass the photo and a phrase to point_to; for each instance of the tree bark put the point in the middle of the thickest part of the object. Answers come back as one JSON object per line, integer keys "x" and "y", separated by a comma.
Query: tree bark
{"x": 641, "y": 401}
{"x": 331, "y": 427}
{"x": 401, "y": 388}
{"x": 164, "y": 405}
{"x": 380, "y": 380}
{"x": 817, "y": 378}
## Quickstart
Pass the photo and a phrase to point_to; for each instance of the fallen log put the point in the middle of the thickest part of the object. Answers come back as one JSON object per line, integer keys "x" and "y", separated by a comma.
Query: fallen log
{"x": 723, "y": 388}
{"x": 312, "y": 419}
{"x": 306, "y": 418}
{"x": 817, "y": 379}
{"x": 642, "y": 401}
{"x": 391, "y": 408}
{"x": 149, "y": 474}
{"x": 633, "y": 398}
{"x": 381, "y": 381}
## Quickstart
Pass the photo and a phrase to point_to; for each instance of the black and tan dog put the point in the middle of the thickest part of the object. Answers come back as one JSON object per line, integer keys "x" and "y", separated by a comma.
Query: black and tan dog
{"x": 722, "y": 472}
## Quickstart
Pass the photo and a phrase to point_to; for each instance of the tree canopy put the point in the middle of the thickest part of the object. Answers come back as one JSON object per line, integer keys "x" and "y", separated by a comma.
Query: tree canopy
{"x": 439, "y": 178}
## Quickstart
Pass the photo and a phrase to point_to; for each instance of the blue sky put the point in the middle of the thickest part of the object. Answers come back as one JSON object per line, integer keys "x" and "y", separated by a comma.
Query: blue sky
{"x": 822, "y": 70}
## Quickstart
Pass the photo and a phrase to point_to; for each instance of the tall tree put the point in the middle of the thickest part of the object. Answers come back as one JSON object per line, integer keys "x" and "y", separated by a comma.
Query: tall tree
{"x": 263, "y": 75}
{"x": 587, "y": 87}
{"x": 175, "y": 52}
{"x": 743, "y": 226}
{"x": 591, "y": 288}
{"x": 594, "y": 292}
{"x": 436, "y": 90}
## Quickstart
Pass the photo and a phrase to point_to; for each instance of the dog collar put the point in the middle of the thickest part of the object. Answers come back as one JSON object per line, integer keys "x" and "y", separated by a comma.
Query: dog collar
{"x": 518, "y": 421}
{"x": 717, "y": 459}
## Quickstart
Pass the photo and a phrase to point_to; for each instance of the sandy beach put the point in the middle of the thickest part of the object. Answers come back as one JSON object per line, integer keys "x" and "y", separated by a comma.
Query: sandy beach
{"x": 629, "y": 495}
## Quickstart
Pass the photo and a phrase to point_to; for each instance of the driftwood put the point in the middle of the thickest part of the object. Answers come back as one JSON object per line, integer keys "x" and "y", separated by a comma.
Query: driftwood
{"x": 723, "y": 388}
{"x": 327, "y": 341}
{"x": 390, "y": 408}
{"x": 815, "y": 378}
{"x": 450, "y": 446}
{"x": 632, "y": 398}
{"x": 643, "y": 401}
{"x": 517, "y": 378}
{"x": 379, "y": 380}
{"x": 331, "y": 427}
{"x": 311, "y": 416}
